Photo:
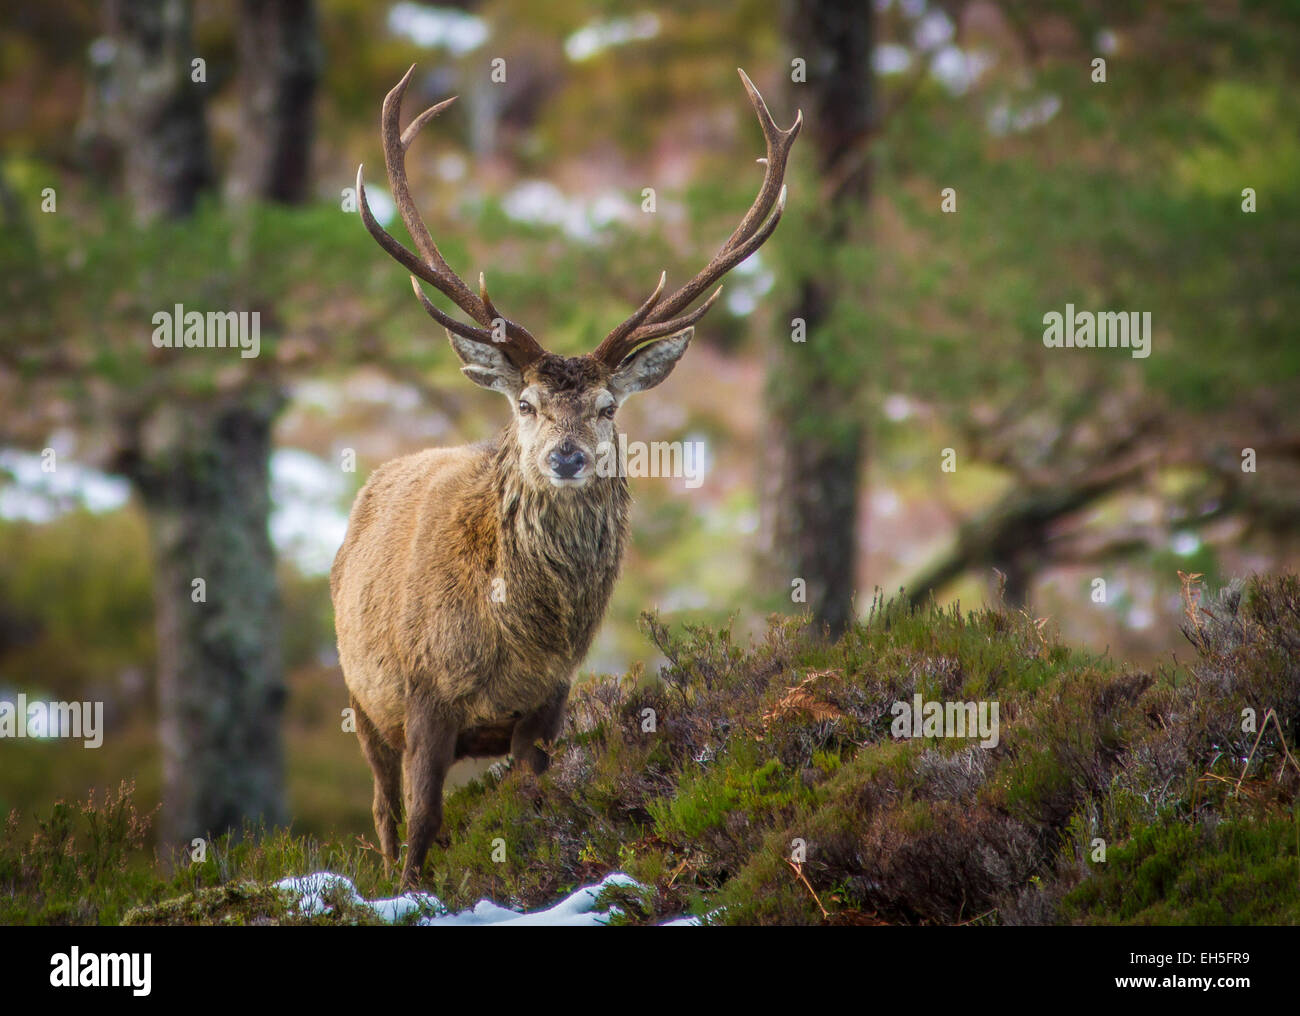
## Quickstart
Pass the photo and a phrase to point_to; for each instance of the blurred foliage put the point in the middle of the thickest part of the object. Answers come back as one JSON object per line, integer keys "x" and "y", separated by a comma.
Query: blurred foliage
{"x": 1082, "y": 217}
{"x": 77, "y": 601}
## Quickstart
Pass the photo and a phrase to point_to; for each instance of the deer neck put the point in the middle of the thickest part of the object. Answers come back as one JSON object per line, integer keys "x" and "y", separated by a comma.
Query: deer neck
{"x": 574, "y": 535}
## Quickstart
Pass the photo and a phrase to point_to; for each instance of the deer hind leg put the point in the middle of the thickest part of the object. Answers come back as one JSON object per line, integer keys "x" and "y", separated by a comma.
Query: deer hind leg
{"x": 386, "y": 765}
{"x": 543, "y": 724}
{"x": 430, "y": 752}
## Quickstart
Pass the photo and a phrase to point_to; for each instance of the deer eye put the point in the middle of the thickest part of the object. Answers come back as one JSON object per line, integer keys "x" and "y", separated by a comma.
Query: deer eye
{"x": 525, "y": 408}
{"x": 608, "y": 412}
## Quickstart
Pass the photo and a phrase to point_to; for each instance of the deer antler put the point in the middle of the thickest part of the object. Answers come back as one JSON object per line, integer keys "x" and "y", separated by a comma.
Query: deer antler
{"x": 654, "y": 318}
{"x": 518, "y": 344}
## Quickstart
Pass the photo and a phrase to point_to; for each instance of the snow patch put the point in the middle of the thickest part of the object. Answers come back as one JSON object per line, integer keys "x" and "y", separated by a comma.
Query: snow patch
{"x": 575, "y": 911}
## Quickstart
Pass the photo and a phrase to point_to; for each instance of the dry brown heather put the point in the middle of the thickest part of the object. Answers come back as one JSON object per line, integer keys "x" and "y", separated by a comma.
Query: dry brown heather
{"x": 751, "y": 749}
{"x": 472, "y": 580}
{"x": 791, "y": 740}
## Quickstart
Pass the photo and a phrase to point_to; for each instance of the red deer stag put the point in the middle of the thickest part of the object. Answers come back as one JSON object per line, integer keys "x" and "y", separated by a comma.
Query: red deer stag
{"x": 472, "y": 580}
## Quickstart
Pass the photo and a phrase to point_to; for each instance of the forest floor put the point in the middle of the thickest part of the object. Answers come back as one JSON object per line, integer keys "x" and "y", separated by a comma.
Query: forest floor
{"x": 801, "y": 782}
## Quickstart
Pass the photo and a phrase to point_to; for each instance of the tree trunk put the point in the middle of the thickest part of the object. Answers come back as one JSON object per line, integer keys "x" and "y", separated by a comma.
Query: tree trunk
{"x": 153, "y": 109}
{"x": 279, "y": 65}
{"x": 814, "y": 433}
{"x": 810, "y": 498}
{"x": 201, "y": 463}
{"x": 202, "y": 472}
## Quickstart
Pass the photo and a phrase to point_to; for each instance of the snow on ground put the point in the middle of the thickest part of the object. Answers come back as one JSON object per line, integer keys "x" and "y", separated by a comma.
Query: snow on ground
{"x": 575, "y": 911}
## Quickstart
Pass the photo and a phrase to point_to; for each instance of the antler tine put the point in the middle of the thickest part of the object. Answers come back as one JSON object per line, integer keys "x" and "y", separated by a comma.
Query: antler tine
{"x": 487, "y": 300}
{"x": 661, "y": 328}
{"x": 519, "y": 346}
{"x": 395, "y": 250}
{"x": 612, "y": 348}
{"x": 613, "y": 353}
{"x": 778, "y": 144}
{"x": 756, "y": 226}
{"x": 520, "y": 336}
{"x": 446, "y": 320}
{"x": 395, "y": 145}
{"x": 413, "y": 128}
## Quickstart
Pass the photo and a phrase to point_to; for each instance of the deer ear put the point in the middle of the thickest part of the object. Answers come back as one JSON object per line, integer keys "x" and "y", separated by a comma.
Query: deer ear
{"x": 487, "y": 366}
{"x": 648, "y": 366}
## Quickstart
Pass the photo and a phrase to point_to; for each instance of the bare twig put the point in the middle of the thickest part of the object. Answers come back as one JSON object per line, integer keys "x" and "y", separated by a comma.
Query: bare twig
{"x": 797, "y": 868}
{"x": 1192, "y": 597}
{"x": 1286, "y": 752}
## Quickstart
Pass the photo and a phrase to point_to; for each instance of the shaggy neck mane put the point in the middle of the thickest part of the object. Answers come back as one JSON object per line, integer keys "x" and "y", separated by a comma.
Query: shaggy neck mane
{"x": 571, "y": 531}
{"x": 559, "y": 552}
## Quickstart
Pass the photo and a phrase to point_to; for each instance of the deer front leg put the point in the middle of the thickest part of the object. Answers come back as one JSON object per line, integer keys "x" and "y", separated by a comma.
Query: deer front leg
{"x": 386, "y": 765}
{"x": 430, "y": 751}
{"x": 540, "y": 725}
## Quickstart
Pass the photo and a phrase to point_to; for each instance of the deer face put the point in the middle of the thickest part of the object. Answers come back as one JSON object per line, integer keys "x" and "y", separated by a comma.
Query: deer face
{"x": 565, "y": 407}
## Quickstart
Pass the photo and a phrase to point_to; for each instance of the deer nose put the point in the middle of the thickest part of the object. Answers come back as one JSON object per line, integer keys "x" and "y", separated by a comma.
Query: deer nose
{"x": 567, "y": 460}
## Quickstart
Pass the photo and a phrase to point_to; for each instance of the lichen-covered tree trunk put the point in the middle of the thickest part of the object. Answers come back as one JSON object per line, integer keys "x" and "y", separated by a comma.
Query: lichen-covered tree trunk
{"x": 810, "y": 492}
{"x": 199, "y": 461}
{"x": 153, "y": 107}
{"x": 202, "y": 472}
{"x": 279, "y": 65}
{"x": 814, "y": 433}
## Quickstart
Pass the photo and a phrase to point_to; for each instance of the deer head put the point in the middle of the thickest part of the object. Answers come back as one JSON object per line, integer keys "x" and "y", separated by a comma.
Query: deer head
{"x": 564, "y": 407}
